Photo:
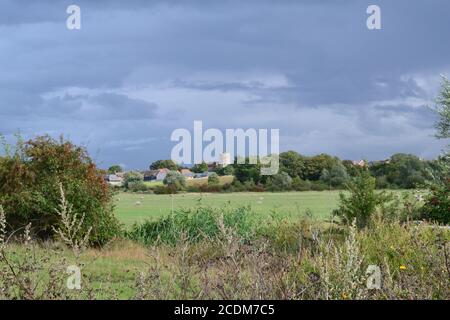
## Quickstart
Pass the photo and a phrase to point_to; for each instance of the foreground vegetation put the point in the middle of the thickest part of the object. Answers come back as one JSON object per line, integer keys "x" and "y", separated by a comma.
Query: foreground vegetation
{"x": 231, "y": 256}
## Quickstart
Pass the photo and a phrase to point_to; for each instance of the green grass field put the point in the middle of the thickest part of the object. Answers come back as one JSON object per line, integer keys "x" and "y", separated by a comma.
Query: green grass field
{"x": 291, "y": 204}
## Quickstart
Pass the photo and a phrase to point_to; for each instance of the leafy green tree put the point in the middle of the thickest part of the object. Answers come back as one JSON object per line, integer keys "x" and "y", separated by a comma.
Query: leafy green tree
{"x": 248, "y": 172}
{"x": 292, "y": 163}
{"x": 352, "y": 170}
{"x": 406, "y": 171}
{"x": 200, "y": 167}
{"x": 437, "y": 202}
{"x": 442, "y": 109}
{"x": 337, "y": 176}
{"x": 115, "y": 169}
{"x": 225, "y": 171}
{"x": 313, "y": 166}
{"x": 175, "y": 180}
{"x": 213, "y": 179}
{"x": 161, "y": 164}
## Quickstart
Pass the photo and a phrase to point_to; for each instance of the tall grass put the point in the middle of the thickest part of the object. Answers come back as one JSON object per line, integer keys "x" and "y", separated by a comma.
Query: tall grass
{"x": 195, "y": 224}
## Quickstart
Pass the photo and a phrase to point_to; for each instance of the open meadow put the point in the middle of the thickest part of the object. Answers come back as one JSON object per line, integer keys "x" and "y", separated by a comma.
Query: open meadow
{"x": 135, "y": 207}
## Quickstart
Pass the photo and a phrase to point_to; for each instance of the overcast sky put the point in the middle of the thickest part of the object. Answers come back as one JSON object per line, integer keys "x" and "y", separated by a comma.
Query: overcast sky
{"x": 137, "y": 70}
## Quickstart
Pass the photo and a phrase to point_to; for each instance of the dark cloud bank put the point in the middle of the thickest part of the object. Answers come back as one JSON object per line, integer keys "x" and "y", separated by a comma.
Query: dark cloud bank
{"x": 138, "y": 70}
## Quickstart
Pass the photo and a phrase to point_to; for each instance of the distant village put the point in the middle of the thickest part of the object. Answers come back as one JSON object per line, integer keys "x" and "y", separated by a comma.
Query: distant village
{"x": 117, "y": 179}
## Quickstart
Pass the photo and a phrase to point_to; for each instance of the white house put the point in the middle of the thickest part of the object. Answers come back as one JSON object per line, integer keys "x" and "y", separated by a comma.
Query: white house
{"x": 162, "y": 173}
{"x": 114, "y": 180}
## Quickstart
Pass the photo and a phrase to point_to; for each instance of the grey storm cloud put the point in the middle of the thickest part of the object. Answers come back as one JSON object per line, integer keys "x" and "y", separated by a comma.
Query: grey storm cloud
{"x": 139, "y": 69}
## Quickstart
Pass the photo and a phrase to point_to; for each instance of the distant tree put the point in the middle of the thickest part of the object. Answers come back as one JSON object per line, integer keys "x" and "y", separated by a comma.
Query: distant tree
{"x": 401, "y": 171}
{"x": 279, "y": 182}
{"x": 161, "y": 164}
{"x": 314, "y": 166}
{"x": 213, "y": 179}
{"x": 292, "y": 163}
{"x": 115, "y": 169}
{"x": 336, "y": 176}
{"x": 246, "y": 172}
{"x": 175, "y": 180}
{"x": 225, "y": 171}
{"x": 200, "y": 167}
{"x": 406, "y": 171}
{"x": 352, "y": 170}
{"x": 442, "y": 109}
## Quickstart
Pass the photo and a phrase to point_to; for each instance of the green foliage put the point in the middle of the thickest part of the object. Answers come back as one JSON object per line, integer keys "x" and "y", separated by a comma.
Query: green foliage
{"x": 29, "y": 188}
{"x": 133, "y": 176}
{"x": 225, "y": 171}
{"x": 337, "y": 176}
{"x": 318, "y": 186}
{"x": 437, "y": 203}
{"x": 352, "y": 170}
{"x": 213, "y": 179}
{"x": 301, "y": 185}
{"x": 202, "y": 223}
{"x": 402, "y": 171}
{"x": 248, "y": 172}
{"x": 292, "y": 163}
{"x": 134, "y": 181}
{"x": 279, "y": 182}
{"x": 161, "y": 164}
{"x": 442, "y": 109}
{"x": 175, "y": 180}
{"x": 199, "y": 167}
{"x": 314, "y": 166}
{"x": 137, "y": 186}
{"x": 114, "y": 169}
{"x": 362, "y": 201}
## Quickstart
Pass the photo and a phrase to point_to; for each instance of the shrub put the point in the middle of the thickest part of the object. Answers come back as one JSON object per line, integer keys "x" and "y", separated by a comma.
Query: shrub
{"x": 225, "y": 171}
{"x": 301, "y": 185}
{"x": 280, "y": 182}
{"x": 319, "y": 186}
{"x": 362, "y": 201}
{"x": 133, "y": 179}
{"x": 437, "y": 203}
{"x": 164, "y": 190}
{"x": 29, "y": 188}
{"x": 210, "y": 188}
{"x": 382, "y": 182}
{"x": 175, "y": 181}
{"x": 137, "y": 186}
{"x": 213, "y": 179}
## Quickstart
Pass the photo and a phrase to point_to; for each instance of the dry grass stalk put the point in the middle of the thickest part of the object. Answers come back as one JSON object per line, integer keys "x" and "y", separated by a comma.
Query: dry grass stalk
{"x": 71, "y": 231}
